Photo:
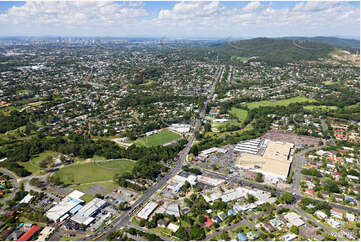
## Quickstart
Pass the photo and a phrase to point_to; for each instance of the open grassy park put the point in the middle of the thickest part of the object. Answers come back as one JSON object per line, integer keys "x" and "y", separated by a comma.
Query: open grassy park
{"x": 241, "y": 114}
{"x": 163, "y": 137}
{"x": 33, "y": 165}
{"x": 284, "y": 102}
{"x": 322, "y": 108}
{"x": 93, "y": 172}
{"x": 329, "y": 83}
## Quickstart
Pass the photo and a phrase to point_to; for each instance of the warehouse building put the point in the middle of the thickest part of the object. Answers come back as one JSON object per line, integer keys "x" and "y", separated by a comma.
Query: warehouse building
{"x": 274, "y": 163}
{"x": 60, "y": 211}
{"x": 86, "y": 214}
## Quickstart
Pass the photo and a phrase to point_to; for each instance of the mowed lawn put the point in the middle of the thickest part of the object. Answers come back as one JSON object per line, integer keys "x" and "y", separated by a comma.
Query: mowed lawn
{"x": 163, "y": 137}
{"x": 284, "y": 102}
{"x": 241, "y": 114}
{"x": 322, "y": 107}
{"x": 94, "y": 172}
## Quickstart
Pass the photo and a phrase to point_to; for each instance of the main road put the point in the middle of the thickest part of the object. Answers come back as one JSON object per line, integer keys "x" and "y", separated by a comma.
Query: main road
{"x": 123, "y": 219}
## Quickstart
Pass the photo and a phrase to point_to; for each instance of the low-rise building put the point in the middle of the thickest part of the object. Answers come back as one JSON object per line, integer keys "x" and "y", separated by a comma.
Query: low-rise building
{"x": 147, "y": 210}
{"x": 294, "y": 219}
{"x": 268, "y": 226}
{"x": 289, "y": 237}
{"x": 321, "y": 215}
{"x": 337, "y": 213}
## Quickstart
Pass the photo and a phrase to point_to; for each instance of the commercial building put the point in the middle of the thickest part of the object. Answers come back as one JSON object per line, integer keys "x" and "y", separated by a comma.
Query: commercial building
{"x": 212, "y": 150}
{"x": 60, "y": 211}
{"x": 273, "y": 163}
{"x": 251, "y": 146}
{"x": 180, "y": 128}
{"x": 192, "y": 179}
{"x": 85, "y": 215}
{"x": 147, "y": 210}
{"x": 210, "y": 181}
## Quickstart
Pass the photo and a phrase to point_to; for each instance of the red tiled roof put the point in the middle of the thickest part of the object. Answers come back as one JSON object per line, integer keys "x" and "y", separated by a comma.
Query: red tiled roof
{"x": 209, "y": 222}
{"x": 29, "y": 233}
{"x": 335, "y": 210}
{"x": 309, "y": 191}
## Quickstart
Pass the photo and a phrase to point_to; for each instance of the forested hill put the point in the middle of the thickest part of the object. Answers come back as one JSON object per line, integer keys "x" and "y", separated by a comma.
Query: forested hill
{"x": 352, "y": 43}
{"x": 275, "y": 51}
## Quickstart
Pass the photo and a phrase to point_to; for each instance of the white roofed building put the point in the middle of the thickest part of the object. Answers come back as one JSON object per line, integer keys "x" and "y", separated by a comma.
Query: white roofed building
{"x": 27, "y": 198}
{"x": 147, "y": 210}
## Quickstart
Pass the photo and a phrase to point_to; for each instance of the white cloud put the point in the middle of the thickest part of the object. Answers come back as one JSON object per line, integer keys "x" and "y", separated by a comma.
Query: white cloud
{"x": 187, "y": 18}
{"x": 75, "y": 13}
{"x": 252, "y": 6}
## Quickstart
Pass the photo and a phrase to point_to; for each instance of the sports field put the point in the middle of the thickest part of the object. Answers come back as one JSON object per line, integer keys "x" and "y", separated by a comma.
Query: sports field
{"x": 94, "y": 172}
{"x": 284, "y": 102}
{"x": 241, "y": 114}
{"x": 163, "y": 137}
{"x": 322, "y": 107}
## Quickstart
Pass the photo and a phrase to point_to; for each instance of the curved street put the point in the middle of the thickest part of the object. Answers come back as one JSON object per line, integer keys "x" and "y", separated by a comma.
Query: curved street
{"x": 15, "y": 183}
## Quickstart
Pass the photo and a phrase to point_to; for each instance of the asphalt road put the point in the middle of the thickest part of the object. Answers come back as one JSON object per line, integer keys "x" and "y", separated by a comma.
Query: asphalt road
{"x": 15, "y": 186}
{"x": 299, "y": 160}
{"x": 324, "y": 128}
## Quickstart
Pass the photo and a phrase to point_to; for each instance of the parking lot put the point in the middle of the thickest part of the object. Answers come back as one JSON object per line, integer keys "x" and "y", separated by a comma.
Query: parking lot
{"x": 290, "y": 137}
{"x": 96, "y": 189}
{"x": 223, "y": 162}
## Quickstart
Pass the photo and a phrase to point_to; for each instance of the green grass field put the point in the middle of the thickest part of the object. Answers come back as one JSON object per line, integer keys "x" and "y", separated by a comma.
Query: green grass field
{"x": 33, "y": 165}
{"x": 354, "y": 107}
{"x": 284, "y": 102}
{"x": 228, "y": 133}
{"x": 94, "y": 172}
{"x": 239, "y": 113}
{"x": 328, "y": 83}
{"x": 322, "y": 108}
{"x": 240, "y": 58}
{"x": 163, "y": 137}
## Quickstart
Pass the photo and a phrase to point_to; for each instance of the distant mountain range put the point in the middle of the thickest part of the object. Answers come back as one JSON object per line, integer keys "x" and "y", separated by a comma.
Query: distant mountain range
{"x": 283, "y": 50}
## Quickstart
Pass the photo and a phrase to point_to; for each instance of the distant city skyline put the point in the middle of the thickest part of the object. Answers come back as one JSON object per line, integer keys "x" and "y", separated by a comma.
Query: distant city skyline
{"x": 214, "y": 19}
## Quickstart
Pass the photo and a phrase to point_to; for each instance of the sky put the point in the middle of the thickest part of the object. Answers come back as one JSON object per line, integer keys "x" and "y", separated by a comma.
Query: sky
{"x": 202, "y": 19}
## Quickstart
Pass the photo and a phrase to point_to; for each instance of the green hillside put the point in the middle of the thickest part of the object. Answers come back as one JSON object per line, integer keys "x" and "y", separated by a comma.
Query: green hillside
{"x": 353, "y": 43}
{"x": 275, "y": 51}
